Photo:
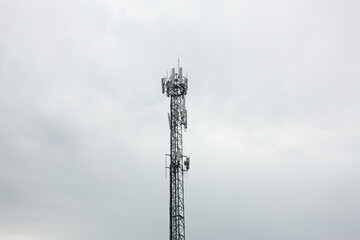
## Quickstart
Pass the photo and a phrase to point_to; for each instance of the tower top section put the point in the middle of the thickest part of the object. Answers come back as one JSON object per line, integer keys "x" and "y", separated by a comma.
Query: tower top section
{"x": 176, "y": 84}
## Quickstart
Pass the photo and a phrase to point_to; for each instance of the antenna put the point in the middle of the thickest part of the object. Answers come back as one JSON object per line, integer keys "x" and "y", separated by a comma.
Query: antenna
{"x": 175, "y": 87}
{"x": 163, "y": 85}
{"x": 169, "y": 119}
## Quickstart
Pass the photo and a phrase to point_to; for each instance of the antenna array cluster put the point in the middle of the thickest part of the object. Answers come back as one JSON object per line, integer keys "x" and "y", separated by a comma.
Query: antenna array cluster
{"x": 176, "y": 85}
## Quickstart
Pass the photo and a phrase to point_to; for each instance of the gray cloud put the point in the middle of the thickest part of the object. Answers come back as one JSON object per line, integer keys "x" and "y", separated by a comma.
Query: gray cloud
{"x": 273, "y": 118}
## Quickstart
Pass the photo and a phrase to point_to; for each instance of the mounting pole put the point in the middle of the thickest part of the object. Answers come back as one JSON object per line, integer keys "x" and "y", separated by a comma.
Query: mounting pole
{"x": 175, "y": 86}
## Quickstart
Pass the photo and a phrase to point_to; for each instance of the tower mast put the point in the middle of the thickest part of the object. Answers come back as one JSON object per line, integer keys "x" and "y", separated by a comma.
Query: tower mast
{"x": 175, "y": 87}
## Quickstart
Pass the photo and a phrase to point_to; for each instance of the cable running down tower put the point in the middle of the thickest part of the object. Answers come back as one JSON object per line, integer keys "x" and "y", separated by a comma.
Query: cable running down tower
{"x": 175, "y": 87}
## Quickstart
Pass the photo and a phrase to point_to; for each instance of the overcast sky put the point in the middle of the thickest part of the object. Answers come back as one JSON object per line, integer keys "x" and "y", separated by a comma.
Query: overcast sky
{"x": 273, "y": 118}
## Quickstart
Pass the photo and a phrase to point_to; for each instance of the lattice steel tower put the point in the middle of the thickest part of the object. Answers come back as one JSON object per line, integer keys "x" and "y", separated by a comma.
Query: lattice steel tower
{"x": 175, "y": 87}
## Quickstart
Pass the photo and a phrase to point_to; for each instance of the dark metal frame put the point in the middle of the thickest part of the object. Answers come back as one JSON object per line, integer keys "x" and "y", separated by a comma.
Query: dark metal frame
{"x": 176, "y": 88}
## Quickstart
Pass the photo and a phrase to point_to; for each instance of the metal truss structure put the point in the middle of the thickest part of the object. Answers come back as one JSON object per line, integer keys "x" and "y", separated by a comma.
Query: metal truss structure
{"x": 175, "y": 87}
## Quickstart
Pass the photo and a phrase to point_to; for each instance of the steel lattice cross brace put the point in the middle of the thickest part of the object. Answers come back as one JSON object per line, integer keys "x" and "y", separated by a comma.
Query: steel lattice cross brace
{"x": 175, "y": 87}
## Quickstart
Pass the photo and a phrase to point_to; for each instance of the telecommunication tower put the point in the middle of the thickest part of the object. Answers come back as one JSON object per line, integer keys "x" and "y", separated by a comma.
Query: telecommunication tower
{"x": 175, "y": 86}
